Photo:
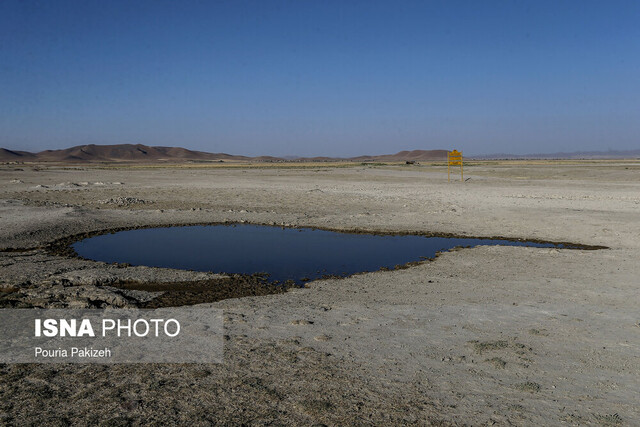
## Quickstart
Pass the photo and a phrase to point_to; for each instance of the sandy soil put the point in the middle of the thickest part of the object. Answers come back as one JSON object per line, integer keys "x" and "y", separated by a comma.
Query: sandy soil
{"x": 488, "y": 335}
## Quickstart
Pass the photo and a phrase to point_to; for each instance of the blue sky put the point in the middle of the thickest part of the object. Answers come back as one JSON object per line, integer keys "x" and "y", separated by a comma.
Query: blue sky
{"x": 321, "y": 77}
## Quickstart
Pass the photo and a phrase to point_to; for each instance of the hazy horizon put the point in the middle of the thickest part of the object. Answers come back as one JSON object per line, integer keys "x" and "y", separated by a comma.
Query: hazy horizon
{"x": 596, "y": 153}
{"x": 321, "y": 78}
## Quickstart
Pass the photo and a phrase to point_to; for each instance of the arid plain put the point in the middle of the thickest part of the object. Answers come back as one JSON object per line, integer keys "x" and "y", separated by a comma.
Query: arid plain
{"x": 478, "y": 336}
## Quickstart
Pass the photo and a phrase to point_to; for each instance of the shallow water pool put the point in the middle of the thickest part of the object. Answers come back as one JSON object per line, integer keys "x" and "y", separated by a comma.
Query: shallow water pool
{"x": 297, "y": 254}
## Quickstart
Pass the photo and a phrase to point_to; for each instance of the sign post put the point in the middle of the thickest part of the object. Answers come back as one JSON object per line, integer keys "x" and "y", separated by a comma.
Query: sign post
{"x": 454, "y": 158}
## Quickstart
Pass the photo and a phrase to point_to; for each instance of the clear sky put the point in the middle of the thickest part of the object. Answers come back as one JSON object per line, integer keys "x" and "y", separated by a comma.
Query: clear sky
{"x": 321, "y": 77}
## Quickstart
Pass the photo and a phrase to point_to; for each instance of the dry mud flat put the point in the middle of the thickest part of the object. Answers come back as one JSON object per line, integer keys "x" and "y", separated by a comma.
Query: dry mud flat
{"x": 489, "y": 335}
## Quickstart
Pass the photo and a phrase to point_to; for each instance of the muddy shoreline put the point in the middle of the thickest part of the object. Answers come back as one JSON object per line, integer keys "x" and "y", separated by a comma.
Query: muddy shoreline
{"x": 62, "y": 246}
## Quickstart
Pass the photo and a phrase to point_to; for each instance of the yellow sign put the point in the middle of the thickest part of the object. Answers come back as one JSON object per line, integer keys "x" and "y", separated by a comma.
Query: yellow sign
{"x": 454, "y": 158}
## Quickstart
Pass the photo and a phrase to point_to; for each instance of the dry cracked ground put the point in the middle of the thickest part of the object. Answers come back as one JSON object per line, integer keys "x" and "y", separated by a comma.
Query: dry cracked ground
{"x": 478, "y": 336}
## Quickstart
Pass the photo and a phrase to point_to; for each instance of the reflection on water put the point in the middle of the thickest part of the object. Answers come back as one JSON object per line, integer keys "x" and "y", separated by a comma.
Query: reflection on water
{"x": 284, "y": 253}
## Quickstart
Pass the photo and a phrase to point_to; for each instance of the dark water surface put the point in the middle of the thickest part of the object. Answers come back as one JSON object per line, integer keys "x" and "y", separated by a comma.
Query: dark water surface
{"x": 284, "y": 253}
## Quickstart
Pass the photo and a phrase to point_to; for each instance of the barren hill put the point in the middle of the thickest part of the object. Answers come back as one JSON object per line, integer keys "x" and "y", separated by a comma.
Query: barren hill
{"x": 115, "y": 153}
{"x": 145, "y": 153}
{"x": 15, "y": 156}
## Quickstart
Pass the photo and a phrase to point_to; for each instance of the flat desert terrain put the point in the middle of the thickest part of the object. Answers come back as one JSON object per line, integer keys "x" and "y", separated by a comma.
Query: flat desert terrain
{"x": 477, "y": 336}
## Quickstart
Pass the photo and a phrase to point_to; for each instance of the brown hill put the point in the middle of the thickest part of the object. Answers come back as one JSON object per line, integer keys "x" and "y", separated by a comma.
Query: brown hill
{"x": 115, "y": 153}
{"x": 144, "y": 153}
{"x": 15, "y": 156}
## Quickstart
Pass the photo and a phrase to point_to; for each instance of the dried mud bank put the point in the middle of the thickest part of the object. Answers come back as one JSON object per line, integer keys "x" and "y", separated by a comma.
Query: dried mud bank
{"x": 489, "y": 335}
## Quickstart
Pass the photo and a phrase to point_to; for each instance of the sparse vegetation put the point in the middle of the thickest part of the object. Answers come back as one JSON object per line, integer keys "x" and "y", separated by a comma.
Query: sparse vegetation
{"x": 609, "y": 419}
{"x": 529, "y": 386}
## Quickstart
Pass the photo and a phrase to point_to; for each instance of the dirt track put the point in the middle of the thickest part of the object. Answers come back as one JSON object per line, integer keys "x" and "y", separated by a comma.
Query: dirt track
{"x": 486, "y": 335}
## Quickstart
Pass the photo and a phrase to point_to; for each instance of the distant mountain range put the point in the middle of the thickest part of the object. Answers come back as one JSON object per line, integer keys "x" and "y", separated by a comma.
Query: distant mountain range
{"x": 610, "y": 154}
{"x": 146, "y": 154}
